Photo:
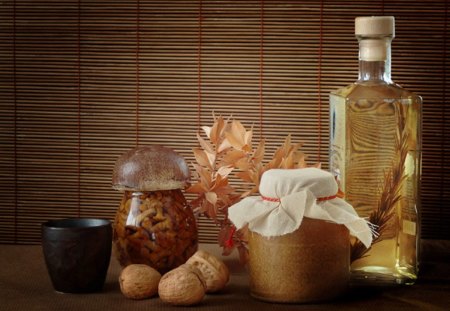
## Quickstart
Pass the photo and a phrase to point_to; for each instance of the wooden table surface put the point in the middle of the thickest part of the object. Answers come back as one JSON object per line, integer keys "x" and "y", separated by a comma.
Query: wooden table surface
{"x": 25, "y": 285}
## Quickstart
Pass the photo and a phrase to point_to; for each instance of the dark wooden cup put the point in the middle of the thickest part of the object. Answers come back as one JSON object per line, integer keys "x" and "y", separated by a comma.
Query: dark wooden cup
{"x": 77, "y": 252}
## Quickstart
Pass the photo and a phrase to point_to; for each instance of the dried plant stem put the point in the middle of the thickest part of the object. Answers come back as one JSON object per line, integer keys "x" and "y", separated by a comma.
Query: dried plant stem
{"x": 382, "y": 216}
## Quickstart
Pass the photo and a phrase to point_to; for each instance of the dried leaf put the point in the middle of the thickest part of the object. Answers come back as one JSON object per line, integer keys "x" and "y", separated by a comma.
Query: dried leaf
{"x": 248, "y": 138}
{"x": 246, "y": 148}
{"x": 258, "y": 155}
{"x": 238, "y": 128}
{"x": 236, "y": 141}
{"x": 197, "y": 188}
{"x": 279, "y": 154}
{"x": 202, "y": 158}
{"x": 221, "y": 186}
{"x": 197, "y": 204}
{"x": 301, "y": 163}
{"x": 224, "y": 171}
{"x": 223, "y": 146}
{"x": 218, "y": 179}
{"x": 211, "y": 159}
{"x": 236, "y": 135}
{"x": 245, "y": 176}
{"x": 207, "y": 131}
{"x": 204, "y": 175}
{"x": 276, "y": 160}
{"x": 287, "y": 143}
{"x": 223, "y": 192}
{"x": 232, "y": 157}
{"x": 226, "y": 238}
{"x": 216, "y": 130}
{"x": 209, "y": 209}
{"x": 204, "y": 144}
{"x": 211, "y": 197}
{"x": 242, "y": 164}
{"x": 287, "y": 162}
{"x": 223, "y": 128}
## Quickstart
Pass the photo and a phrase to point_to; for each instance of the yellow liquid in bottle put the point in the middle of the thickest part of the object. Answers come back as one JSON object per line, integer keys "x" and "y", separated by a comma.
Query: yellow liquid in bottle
{"x": 375, "y": 154}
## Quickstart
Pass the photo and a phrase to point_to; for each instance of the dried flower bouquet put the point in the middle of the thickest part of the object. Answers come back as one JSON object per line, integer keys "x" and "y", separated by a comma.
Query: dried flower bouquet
{"x": 227, "y": 152}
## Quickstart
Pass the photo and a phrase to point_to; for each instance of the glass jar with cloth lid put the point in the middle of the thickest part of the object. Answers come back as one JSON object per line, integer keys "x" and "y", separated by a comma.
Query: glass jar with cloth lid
{"x": 299, "y": 240}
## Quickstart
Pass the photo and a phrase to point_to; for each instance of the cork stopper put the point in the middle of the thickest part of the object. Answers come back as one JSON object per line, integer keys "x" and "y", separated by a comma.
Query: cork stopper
{"x": 375, "y": 33}
{"x": 375, "y": 26}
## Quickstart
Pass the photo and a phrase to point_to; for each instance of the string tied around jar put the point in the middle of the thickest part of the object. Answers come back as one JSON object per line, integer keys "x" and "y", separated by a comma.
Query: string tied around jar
{"x": 318, "y": 199}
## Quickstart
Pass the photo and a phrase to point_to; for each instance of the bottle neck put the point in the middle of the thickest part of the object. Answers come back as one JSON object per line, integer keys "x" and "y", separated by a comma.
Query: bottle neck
{"x": 375, "y": 59}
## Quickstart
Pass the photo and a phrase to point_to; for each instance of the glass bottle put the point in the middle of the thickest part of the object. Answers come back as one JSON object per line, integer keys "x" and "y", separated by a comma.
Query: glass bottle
{"x": 375, "y": 154}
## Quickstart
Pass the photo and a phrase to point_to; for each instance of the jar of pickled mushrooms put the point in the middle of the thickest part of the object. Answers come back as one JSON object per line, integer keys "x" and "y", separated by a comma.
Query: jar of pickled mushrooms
{"x": 154, "y": 224}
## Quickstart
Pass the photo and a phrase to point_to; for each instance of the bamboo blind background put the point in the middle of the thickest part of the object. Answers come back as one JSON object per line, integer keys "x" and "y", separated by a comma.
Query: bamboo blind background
{"x": 83, "y": 81}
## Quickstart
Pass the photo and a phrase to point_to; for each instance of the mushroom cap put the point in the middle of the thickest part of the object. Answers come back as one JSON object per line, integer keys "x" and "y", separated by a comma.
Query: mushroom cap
{"x": 150, "y": 168}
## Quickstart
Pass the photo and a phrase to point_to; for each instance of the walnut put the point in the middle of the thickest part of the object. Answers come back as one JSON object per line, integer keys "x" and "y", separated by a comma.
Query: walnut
{"x": 138, "y": 281}
{"x": 182, "y": 286}
{"x": 214, "y": 271}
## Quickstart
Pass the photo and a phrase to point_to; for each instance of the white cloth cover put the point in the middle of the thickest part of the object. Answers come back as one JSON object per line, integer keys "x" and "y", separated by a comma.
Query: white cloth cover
{"x": 288, "y": 195}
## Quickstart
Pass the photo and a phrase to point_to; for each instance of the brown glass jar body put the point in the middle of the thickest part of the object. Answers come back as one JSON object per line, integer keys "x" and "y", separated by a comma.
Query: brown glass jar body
{"x": 156, "y": 228}
{"x": 311, "y": 264}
